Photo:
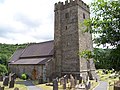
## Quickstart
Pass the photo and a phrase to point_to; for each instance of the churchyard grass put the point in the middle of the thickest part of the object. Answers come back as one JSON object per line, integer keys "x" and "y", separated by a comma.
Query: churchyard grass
{"x": 21, "y": 86}
{"x": 102, "y": 76}
{"x": 94, "y": 84}
{"x": 106, "y": 77}
{"x": 60, "y": 87}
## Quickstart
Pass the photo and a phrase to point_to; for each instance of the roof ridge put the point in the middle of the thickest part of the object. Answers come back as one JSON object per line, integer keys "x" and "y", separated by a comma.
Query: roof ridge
{"x": 41, "y": 42}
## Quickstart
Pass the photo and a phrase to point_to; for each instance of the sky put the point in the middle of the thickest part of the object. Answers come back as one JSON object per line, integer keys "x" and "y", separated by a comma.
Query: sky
{"x": 25, "y": 21}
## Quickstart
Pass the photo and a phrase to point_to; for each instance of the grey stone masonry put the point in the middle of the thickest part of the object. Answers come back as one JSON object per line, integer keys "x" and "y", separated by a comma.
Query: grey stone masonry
{"x": 69, "y": 38}
{"x": 67, "y": 4}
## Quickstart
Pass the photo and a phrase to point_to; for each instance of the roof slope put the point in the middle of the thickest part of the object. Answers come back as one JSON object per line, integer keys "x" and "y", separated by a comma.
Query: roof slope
{"x": 38, "y": 49}
{"x": 16, "y": 55}
{"x": 32, "y": 61}
{"x": 34, "y": 53}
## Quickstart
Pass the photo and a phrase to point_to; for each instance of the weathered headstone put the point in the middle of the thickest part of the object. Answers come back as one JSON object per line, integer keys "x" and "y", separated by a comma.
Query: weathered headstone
{"x": 40, "y": 80}
{"x": 11, "y": 85}
{"x": 5, "y": 81}
{"x": 80, "y": 79}
{"x": 84, "y": 79}
{"x": 66, "y": 78}
{"x": 72, "y": 82}
{"x": 64, "y": 83}
{"x": 10, "y": 76}
{"x": 48, "y": 80}
{"x": 81, "y": 86}
{"x": 75, "y": 81}
{"x": 55, "y": 84}
{"x": 88, "y": 85}
{"x": 61, "y": 80}
{"x": 1, "y": 78}
{"x": 16, "y": 88}
{"x": 13, "y": 76}
{"x": 1, "y": 88}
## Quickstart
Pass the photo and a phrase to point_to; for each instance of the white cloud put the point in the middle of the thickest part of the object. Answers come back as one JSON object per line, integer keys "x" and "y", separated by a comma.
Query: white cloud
{"x": 23, "y": 21}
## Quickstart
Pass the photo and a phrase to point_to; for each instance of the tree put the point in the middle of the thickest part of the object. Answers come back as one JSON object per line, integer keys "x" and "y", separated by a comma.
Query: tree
{"x": 3, "y": 69}
{"x": 3, "y": 59}
{"x": 105, "y": 25}
{"x": 105, "y": 22}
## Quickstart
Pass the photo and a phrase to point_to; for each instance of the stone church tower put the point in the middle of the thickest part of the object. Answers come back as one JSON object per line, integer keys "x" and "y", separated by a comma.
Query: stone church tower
{"x": 69, "y": 38}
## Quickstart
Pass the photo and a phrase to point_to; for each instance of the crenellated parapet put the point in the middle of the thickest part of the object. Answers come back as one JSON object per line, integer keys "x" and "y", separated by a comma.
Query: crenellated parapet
{"x": 67, "y": 4}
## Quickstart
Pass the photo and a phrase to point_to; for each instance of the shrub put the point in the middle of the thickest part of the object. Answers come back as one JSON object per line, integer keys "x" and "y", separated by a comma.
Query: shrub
{"x": 3, "y": 69}
{"x": 24, "y": 76}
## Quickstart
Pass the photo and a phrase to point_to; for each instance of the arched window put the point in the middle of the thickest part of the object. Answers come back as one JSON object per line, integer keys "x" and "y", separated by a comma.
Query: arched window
{"x": 83, "y": 15}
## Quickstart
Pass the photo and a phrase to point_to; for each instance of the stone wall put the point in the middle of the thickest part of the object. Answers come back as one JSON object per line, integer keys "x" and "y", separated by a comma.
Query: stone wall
{"x": 50, "y": 69}
{"x": 69, "y": 38}
{"x": 33, "y": 71}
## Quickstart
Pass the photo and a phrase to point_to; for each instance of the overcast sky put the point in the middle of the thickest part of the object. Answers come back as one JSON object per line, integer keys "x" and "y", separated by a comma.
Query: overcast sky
{"x": 23, "y": 21}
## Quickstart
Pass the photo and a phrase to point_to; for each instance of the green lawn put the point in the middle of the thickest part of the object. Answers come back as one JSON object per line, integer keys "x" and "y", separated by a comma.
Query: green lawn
{"x": 60, "y": 87}
{"x": 18, "y": 84}
{"x": 105, "y": 77}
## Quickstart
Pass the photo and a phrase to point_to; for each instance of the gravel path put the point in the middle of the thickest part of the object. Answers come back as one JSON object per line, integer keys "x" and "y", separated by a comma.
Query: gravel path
{"x": 102, "y": 86}
{"x": 31, "y": 86}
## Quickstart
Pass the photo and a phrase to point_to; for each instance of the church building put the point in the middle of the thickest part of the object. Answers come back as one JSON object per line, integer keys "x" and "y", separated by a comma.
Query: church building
{"x": 61, "y": 56}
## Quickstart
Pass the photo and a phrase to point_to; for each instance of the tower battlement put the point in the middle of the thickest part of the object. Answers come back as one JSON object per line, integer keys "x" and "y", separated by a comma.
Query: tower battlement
{"x": 70, "y": 3}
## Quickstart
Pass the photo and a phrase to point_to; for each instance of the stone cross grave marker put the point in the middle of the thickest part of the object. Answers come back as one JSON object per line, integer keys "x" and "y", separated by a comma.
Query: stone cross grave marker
{"x": 5, "y": 81}
{"x": 55, "y": 84}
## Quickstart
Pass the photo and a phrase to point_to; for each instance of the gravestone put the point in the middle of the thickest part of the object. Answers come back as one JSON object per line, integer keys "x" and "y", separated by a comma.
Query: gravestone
{"x": 88, "y": 85}
{"x": 1, "y": 88}
{"x": 80, "y": 79}
{"x": 61, "y": 81}
{"x": 64, "y": 83}
{"x": 16, "y": 88}
{"x": 5, "y": 81}
{"x": 66, "y": 78}
{"x": 81, "y": 86}
{"x": 72, "y": 82}
{"x": 48, "y": 80}
{"x": 11, "y": 85}
{"x": 117, "y": 85}
{"x": 1, "y": 78}
{"x": 84, "y": 79}
{"x": 13, "y": 76}
{"x": 10, "y": 76}
{"x": 75, "y": 81}
{"x": 40, "y": 80}
{"x": 55, "y": 84}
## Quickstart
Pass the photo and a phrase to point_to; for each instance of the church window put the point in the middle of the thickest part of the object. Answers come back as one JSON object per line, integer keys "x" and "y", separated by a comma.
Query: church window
{"x": 66, "y": 15}
{"x": 83, "y": 15}
{"x": 65, "y": 27}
